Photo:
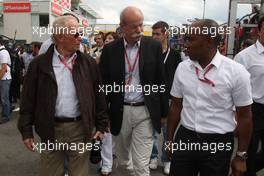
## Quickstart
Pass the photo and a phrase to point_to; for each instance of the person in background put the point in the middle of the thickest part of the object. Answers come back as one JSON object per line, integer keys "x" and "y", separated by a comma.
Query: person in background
{"x": 35, "y": 48}
{"x": 17, "y": 75}
{"x": 31, "y": 53}
{"x": 171, "y": 58}
{"x": 222, "y": 48}
{"x": 246, "y": 43}
{"x": 109, "y": 37}
{"x": 119, "y": 32}
{"x": 107, "y": 146}
{"x": 253, "y": 60}
{"x": 5, "y": 77}
{"x": 97, "y": 50}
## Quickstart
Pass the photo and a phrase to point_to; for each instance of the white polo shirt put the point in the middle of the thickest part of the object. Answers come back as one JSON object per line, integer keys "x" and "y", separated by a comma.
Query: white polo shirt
{"x": 5, "y": 59}
{"x": 253, "y": 60}
{"x": 208, "y": 108}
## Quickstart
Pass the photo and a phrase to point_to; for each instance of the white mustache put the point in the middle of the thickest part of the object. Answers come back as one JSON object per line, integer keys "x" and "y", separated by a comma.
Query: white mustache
{"x": 136, "y": 35}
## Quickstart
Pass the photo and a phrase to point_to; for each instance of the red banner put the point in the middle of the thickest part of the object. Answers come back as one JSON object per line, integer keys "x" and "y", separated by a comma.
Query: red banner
{"x": 64, "y": 3}
{"x": 56, "y": 9}
{"x": 10, "y": 7}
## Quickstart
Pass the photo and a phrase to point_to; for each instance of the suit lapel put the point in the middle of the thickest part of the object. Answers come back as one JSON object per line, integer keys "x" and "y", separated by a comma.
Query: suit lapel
{"x": 141, "y": 56}
{"x": 120, "y": 59}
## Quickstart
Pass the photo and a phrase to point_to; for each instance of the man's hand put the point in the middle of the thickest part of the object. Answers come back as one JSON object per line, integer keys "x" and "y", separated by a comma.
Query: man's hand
{"x": 29, "y": 143}
{"x": 3, "y": 70}
{"x": 238, "y": 166}
{"x": 99, "y": 135}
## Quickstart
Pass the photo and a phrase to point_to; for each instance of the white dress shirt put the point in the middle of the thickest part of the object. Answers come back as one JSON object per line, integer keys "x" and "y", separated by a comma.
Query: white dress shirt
{"x": 208, "y": 108}
{"x": 253, "y": 60}
{"x": 67, "y": 103}
{"x": 131, "y": 93}
{"x": 5, "y": 59}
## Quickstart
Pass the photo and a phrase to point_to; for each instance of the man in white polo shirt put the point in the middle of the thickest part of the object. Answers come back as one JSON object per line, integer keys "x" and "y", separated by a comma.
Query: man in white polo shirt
{"x": 205, "y": 90}
{"x": 253, "y": 60}
{"x": 5, "y": 76}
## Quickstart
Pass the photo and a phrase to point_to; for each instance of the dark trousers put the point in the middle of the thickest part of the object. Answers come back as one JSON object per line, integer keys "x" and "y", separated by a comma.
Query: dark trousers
{"x": 207, "y": 154}
{"x": 255, "y": 161}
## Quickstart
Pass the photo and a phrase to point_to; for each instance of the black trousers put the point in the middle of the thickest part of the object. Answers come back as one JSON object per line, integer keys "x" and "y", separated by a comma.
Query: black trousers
{"x": 207, "y": 154}
{"x": 255, "y": 160}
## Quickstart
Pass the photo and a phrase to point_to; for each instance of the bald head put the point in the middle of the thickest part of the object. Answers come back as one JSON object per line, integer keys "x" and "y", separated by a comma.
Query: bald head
{"x": 130, "y": 13}
{"x": 131, "y": 23}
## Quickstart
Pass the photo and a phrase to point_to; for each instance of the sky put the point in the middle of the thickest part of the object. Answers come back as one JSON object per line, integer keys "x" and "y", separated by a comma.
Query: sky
{"x": 175, "y": 12}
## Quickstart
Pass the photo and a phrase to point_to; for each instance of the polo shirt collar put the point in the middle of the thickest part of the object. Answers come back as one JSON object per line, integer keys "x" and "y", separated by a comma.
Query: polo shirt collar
{"x": 260, "y": 47}
{"x": 58, "y": 55}
{"x": 216, "y": 61}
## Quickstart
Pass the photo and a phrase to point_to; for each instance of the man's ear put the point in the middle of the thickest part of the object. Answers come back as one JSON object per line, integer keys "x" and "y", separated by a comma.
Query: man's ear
{"x": 167, "y": 33}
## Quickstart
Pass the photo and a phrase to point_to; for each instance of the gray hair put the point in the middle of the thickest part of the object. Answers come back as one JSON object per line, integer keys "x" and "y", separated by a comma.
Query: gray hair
{"x": 61, "y": 25}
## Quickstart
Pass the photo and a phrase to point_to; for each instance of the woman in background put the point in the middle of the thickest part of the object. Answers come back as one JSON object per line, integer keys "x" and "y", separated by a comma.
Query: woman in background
{"x": 107, "y": 146}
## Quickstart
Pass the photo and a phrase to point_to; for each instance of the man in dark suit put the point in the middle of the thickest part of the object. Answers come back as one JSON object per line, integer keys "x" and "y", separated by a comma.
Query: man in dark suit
{"x": 133, "y": 68}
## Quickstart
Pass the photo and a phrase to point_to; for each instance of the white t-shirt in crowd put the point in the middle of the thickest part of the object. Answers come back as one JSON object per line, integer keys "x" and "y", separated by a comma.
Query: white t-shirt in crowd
{"x": 5, "y": 59}
{"x": 253, "y": 60}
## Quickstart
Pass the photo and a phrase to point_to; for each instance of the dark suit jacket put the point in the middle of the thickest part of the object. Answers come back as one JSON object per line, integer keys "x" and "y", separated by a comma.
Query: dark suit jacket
{"x": 151, "y": 71}
{"x": 173, "y": 60}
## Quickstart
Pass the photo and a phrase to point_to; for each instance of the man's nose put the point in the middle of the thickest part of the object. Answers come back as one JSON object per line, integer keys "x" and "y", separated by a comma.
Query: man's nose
{"x": 138, "y": 29}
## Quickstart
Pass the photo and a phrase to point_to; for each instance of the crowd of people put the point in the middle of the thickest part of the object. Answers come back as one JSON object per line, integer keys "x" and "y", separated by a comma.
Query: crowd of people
{"x": 198, "y": 98}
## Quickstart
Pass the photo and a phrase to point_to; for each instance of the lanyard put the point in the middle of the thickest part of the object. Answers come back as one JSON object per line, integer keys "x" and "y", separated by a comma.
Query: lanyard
{"x": 66, "y": 65}
{"x": 131, "y": 67}
{"x": 205, "y": 80}
{"x": 166, "y": 57}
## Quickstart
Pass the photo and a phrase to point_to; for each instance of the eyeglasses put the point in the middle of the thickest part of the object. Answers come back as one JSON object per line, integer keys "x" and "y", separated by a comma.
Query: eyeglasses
{"x": 78, "y": 34}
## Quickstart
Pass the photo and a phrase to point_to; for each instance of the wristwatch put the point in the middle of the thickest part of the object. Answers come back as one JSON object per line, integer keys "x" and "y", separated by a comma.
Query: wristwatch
{"x": 242, "y": 155}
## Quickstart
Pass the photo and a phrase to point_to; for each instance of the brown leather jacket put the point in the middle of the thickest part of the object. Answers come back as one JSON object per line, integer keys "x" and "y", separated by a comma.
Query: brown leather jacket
{"x": 39, "y": 94}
